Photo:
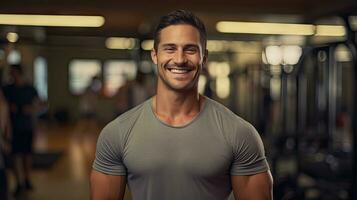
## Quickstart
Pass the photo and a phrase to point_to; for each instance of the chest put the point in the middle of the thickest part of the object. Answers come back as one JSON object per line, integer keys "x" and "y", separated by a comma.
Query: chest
{"x": 193, "y": 152}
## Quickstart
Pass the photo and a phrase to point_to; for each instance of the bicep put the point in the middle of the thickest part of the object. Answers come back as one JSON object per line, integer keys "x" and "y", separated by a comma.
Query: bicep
{"x": 257, "y": 187}
{"x": 107, "y": 187}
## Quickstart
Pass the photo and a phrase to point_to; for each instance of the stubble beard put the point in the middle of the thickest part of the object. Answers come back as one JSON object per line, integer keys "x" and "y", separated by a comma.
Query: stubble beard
{"x": 192, "y": 86}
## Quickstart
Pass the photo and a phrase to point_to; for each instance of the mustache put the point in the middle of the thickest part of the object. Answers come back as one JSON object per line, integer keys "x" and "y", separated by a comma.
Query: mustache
{"x": 185, "y": 65}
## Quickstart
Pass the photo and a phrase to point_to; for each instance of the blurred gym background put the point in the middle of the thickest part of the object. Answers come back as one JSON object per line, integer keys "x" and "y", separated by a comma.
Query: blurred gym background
{"x": 288, "y": 67}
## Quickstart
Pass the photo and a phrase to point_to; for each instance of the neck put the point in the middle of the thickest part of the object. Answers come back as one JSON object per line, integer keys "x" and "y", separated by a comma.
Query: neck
{"x": 177, "y": 108}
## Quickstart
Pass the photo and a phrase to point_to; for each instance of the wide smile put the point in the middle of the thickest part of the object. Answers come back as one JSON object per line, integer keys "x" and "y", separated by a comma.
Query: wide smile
{"x": 179, "y": 70}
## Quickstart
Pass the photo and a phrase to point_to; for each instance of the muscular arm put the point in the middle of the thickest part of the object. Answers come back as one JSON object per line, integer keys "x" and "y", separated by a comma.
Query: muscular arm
{"x": 107, "y": 187}
{"x": 254, "y": 187}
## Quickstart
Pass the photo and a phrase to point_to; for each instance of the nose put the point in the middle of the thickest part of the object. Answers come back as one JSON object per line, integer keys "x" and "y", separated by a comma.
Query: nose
{"x": 180, "y": 57}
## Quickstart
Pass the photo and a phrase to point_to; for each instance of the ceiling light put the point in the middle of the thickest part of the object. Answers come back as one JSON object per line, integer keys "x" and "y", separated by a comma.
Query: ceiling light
{"x": 280, "y": 28}
{"x": 120, "y": 43}
{"x": 343, "y": 54}
{"x": 274, "y": 55}
{"x": 291, "y": 54}
{"x": 265, "y": 28}
{"x": 147, "y": 45}
{"x": 329, "y": 30}
{"x": 12, "y": 37}
{"x": 52, "y": 20}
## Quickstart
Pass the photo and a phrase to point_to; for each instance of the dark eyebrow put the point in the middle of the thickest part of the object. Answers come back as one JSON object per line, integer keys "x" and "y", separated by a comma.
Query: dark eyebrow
{"x": 186, "y": 46}
{"x": 168, "y": 45}
{"x": 192, "y": 45}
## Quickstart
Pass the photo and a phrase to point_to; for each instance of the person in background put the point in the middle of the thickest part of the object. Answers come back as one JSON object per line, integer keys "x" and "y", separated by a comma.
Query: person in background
{"x": 131, "y": 94}
{"x": 88, "y": 106}
{"x": 22, "y": 99}
{"x": 5, "y": 136}
{"x": 88, "y": 101}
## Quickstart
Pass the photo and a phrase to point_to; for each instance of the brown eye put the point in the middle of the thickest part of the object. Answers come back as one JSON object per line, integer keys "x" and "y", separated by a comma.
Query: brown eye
{"x": 191, "y": 50}
{"x": 169, "y": 49}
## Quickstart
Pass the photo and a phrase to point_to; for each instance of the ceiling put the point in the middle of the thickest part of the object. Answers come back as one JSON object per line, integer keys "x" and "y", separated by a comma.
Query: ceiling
{"x": 137, "y": 18}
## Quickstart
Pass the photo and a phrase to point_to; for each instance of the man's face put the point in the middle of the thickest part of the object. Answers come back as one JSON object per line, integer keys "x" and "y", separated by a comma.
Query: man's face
{"x": 179, "y": 57}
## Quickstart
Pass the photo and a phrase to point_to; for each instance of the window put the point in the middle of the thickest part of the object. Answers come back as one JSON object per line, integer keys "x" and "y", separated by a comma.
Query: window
{"x": 81, "y": 73}
{"x": 116, "y": 73}
{"x": 40, "y": 77}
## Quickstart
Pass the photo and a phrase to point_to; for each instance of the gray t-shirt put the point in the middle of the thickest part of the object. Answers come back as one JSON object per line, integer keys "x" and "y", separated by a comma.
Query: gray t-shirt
{"x": 191, "y": 162}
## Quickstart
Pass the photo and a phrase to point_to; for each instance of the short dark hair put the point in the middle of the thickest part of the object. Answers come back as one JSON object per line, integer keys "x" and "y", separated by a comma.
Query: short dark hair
{"x": 181, "y": 17}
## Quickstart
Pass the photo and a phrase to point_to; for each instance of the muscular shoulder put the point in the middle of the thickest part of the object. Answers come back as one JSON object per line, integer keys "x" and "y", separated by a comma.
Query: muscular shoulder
{"x": 226, "y": 118}
{"x": 119, "y": 129}
{"x": 247, "y": 146}
{"x": 112, "y": 140}
{"x": 233, "y": 127}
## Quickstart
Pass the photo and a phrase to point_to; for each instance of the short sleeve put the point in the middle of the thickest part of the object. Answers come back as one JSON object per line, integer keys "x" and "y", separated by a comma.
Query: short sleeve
{"x": 248, "y": 152}
{"x": 108, "y": 158}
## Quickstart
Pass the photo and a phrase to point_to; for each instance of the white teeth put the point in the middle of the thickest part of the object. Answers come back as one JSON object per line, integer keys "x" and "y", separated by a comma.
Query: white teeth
{"x": 179, "y": 71}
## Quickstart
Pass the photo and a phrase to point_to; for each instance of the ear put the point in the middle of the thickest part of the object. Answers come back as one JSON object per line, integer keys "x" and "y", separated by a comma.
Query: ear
{"x": 205, "y": 57}
{"x": 154, "y": 56}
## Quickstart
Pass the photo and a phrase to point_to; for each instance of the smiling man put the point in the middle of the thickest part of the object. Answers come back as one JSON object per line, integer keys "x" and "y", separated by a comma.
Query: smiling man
{"x": 178, "y": 144}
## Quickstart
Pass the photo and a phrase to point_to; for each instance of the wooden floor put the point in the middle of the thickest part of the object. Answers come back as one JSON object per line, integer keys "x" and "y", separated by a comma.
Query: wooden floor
{"x": 68, "y": 178}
